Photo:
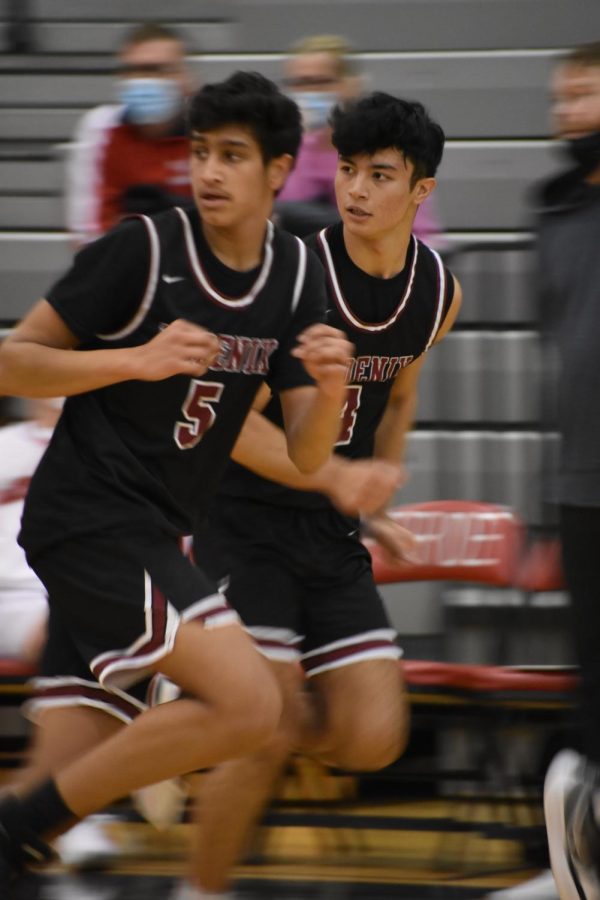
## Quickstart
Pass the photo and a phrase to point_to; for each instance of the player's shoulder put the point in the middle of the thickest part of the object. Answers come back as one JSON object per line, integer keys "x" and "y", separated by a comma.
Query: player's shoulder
{"x": 430, "y": 260}
{"x": 289, "y": 250}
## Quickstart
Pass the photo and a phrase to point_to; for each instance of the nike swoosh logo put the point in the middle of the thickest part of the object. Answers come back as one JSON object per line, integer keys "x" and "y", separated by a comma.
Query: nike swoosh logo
{"x": 352, "y": 533}
{"x": 171, "y": 279}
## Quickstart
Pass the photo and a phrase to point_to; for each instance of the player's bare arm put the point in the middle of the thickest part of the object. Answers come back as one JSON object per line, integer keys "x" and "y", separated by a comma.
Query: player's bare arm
{"x": 390, "y": 441}
{"x": 311, "y": 414}
{"x": 38, "y": 358}
{"x": 355, "y": 486}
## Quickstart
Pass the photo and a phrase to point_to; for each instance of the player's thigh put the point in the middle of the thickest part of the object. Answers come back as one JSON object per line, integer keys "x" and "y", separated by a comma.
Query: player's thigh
{"x": 222, "y": 667}
{"x": 365, "y": 714}
{"x": 363, "y": 697}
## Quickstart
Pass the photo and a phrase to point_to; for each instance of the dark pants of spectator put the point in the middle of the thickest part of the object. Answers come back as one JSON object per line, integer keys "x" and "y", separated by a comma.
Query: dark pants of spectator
{"x": 580, "y": 536}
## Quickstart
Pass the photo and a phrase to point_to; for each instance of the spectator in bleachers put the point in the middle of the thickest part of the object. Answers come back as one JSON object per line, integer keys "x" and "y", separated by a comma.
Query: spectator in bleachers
{"x": 321, "y": 71}
{"x": 132, "y": 157}
{"x": 23, "y": 603}
{"x": 569, "y": 249}
{"x": 568, "y": 240}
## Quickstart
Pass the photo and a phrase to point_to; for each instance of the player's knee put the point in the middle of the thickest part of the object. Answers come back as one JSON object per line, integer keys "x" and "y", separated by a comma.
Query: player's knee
{"x": 369, "y": 746}
{"x": 257, "y": 713}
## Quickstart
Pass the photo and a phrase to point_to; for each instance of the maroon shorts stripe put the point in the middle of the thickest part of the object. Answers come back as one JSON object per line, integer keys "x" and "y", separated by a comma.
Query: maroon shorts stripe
{"x": 86, "y": 692}
{"x": 331, "y": 656}
{"x": 156, "y": 639}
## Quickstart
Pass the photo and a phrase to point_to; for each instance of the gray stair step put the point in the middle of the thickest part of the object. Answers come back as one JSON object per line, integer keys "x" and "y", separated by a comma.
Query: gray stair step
{"x": 421, "y": 24}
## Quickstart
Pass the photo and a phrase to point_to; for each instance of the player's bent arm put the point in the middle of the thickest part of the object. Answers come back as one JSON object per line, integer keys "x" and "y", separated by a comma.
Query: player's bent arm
{"x": 312, "y": 424}
{"x": 398, "y": 418}
{"x": 452, "y": 312}
{"x": 40, "y": 358}
{"x": 311, "y": 414}
{"x": 399, "y": 414}
{"x": 262, "y": 447}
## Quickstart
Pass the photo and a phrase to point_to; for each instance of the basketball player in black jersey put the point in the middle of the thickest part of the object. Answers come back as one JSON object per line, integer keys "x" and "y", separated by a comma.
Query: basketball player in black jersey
{"x": 294, "y": 564}
{"x": 160, "y": 336}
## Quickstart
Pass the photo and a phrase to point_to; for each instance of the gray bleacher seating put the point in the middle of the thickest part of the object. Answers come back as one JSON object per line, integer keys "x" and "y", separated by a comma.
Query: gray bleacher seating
{"x": 269, "y": 25}
{"x": 478, "y": 376}
{"x": 454, "y": 87}
{"x": 29, "y": 263}
{"x": 498, "y": 283}
{"x": 134, "y": 10}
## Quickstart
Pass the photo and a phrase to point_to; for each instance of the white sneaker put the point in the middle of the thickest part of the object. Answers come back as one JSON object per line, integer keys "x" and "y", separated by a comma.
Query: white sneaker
{"x": 185, "y": 891}
{"x": 161, "y": 804}
{"x": 542, "y": 887}
{"x": 87, "y": 845}
{"x": 573, "y": 836}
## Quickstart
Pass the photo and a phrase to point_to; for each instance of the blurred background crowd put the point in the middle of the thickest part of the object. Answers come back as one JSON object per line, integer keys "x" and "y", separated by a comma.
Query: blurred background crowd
{"x": 92, "y": 100}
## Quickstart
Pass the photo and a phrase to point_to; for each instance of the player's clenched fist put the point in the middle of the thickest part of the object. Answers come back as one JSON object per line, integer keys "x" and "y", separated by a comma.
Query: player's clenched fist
{"x": 180, "y": 348}
{"x": 325, "y": 353}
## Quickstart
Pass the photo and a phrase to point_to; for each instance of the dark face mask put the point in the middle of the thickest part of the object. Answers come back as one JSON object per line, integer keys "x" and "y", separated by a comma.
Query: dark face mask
{"x": 585, "y": 151}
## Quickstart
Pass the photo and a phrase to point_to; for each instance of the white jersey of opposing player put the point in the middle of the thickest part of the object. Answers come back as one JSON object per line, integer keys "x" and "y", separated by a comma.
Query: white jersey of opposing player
{"x": 22, "y": 596}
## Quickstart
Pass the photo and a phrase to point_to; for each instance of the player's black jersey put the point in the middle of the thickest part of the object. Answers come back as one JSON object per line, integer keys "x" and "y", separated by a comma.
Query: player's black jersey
{"x": 144, "y": 454}
{"x": 391, "y": 322}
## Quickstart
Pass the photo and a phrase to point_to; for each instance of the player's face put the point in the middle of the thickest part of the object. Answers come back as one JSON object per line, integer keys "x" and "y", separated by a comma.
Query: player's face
{"x": 231, "y": 182}
{"x": 576, "y": 101}
{"x": 374, "y": 193}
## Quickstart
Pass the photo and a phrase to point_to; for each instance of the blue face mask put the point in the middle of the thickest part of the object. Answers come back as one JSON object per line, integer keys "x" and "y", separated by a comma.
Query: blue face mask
{"x": 149, "y": 101}
{"x": 315, "y": 107}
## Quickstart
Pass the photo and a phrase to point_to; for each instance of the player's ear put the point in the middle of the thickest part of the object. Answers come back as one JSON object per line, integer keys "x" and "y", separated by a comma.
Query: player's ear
{"x": 423, "y": 189}
{"x": 278, "y": 170}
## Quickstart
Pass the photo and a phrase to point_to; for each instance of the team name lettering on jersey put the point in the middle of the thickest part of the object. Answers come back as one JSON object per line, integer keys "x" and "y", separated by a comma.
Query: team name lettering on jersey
{"x": 244, "y": 354}
{"x": 376, "y": 368}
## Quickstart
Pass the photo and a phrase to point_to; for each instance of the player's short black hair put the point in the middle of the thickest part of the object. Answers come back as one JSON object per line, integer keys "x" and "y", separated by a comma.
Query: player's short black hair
{"x": 378, "y": 121}
{"x": 249, "y": 99}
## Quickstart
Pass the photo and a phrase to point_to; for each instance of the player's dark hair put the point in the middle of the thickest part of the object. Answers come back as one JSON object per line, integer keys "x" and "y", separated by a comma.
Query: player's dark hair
{"x": 378, "y": 121}
{"x": 249, "y": 99}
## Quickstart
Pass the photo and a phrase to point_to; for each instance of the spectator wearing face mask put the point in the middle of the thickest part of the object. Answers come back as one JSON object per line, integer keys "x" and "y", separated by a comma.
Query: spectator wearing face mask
{"x": 321, "y": 71}
{"x": 132, "y": 157}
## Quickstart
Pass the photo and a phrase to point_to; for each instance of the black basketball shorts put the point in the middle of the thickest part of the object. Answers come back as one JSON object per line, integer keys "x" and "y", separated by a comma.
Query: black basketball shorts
{"x": 301, "y": 581}
{"x": 115, "y": 606}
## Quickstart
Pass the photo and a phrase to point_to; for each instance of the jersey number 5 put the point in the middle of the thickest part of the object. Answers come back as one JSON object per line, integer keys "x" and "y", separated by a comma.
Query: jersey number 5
{"x": 199, "y": 413}
{"x": 349, "y": 413}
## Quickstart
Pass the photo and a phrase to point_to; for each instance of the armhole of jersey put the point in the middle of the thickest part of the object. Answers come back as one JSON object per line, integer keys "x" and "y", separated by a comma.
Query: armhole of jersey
{"x": 300, "y": 274}
{"x": 441, "y": 297}
{"x": 151, "y": 283}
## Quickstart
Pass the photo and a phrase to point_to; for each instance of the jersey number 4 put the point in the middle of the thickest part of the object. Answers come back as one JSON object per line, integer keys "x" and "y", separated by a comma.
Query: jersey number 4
{"x": 199, "y": 413}
{"x": 349, "y": 413}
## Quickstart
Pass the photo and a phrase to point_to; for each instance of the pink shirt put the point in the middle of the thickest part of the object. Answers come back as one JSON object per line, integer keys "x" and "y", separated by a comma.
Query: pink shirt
{"x": 313, "y": 176}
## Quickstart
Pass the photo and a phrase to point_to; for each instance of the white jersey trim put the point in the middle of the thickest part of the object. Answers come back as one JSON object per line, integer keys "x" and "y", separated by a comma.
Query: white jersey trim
{"x": 441, "y": 298}
{"x": 343, "y": 303}
{"x": 221, "y": 299}
{"x": 150, "y": 285}
{"x": 300, "y": 274}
